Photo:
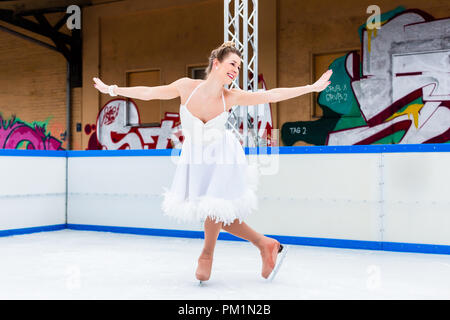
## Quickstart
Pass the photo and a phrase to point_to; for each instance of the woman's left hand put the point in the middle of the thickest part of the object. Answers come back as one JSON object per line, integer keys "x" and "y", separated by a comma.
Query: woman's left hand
{"x": 323, "y": 82}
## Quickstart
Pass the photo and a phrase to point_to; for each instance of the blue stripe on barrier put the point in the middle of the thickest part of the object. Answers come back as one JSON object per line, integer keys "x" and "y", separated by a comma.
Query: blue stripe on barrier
{"x": 416, "y": 247}
{"x": 12, "y": 232}
{"x": 387, "y": 148}
{"x": 121, "y": 153}
{"x": 379, "y": 148}
{"x": 306, "y": 241}
{"x": 33, "y": 153}
{"x": 138, "y": 231}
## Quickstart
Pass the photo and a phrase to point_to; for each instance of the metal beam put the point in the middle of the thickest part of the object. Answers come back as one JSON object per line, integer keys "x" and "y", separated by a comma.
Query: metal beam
{"x": 51, "y": 34}
{"x": 23, "y": 36}
{"x": 68, "y": 45}
{"x": 236, "y": 12}
{"x": 27, "y": 7}
{"x": 61, "y": 22}
{"x": 8, "y": 16}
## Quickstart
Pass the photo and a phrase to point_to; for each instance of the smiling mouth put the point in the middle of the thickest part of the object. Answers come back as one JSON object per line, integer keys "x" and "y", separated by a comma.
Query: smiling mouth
{"x": 230, "y": 76}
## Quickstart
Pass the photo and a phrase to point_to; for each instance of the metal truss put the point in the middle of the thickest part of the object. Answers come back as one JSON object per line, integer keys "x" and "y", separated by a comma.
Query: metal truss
{"x": 244, "y": 13}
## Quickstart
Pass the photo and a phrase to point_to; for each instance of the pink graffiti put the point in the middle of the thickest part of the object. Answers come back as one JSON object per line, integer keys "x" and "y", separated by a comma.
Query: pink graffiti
{"x": 17, "y": 131}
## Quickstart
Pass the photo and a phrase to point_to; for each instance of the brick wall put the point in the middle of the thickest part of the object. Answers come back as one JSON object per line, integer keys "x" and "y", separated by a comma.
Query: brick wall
{"x": 33, "y": 84}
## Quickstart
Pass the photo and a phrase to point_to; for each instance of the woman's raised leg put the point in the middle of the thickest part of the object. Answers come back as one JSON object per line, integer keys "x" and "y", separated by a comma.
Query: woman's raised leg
{"x": 268, "y": 247}
{"x": 242, "y": 230}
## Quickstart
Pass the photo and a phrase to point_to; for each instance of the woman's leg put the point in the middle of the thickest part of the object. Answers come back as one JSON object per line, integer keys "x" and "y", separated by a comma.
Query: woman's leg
{"x": 212, "y": 230}
{"x": 268, "y": 247}
{"x": 242, "y": 230}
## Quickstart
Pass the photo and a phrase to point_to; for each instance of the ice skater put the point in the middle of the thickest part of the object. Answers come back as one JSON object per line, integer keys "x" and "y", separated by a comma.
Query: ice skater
{"x": 213, "y": 183}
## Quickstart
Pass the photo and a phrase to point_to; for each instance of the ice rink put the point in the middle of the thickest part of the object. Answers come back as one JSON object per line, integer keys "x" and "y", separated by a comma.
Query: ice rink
{"x": 70, "y": 264}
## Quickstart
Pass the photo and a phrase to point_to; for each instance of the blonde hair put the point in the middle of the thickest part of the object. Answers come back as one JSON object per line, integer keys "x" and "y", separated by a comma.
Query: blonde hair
{"x": 221, "y": 53}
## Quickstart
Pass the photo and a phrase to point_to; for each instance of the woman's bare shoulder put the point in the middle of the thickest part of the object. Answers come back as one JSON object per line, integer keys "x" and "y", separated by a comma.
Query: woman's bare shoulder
{"x": 185, "y": 86}
{"x": 186, "y": 83}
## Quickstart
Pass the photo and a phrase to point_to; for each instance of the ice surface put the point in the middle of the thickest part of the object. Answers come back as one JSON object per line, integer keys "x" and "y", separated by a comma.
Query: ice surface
{"x": 70, "y": 264}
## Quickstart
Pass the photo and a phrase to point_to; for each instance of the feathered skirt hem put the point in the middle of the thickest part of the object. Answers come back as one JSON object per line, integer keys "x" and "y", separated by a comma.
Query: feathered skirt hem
{"x": 218, "y": 209}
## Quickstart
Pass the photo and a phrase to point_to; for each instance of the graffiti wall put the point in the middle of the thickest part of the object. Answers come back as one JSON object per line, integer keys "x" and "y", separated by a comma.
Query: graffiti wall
{"x": 17, "y": 134}
{"x": 118, "y": 127}
{"x": 396, "y": 91}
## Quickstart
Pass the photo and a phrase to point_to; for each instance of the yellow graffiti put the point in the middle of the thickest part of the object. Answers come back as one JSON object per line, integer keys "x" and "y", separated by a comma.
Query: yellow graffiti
{"x": 369, "y": 36}
{"x": 411, "y": 109}
{"x": 374, "y": 32}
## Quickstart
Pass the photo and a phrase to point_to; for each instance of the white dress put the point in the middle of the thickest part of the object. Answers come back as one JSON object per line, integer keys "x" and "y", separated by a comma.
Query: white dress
{"x": 212, "y": 176}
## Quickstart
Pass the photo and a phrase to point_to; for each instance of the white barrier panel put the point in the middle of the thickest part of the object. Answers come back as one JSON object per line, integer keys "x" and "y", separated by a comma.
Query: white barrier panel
{"x": 120, "y": 191}
{"x": 417, "y": 197}
{"x": 321, "y": 195}
{"x": 33, "y": 191}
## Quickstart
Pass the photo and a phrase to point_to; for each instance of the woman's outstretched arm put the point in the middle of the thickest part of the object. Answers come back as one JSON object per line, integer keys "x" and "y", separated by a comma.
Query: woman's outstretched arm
{"x": 248, "y": 98}
{"x": 165, "y": 92}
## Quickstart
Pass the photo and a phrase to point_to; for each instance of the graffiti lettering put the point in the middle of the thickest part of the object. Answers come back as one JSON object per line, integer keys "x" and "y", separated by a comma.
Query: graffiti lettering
{"x": 298, "y": 130}
{"x": 336, "y": 93}
{"x": 110, "y": 114}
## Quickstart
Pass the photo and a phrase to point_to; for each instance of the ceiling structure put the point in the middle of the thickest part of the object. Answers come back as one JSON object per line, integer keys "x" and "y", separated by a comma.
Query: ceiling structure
{"x": 31, "y": 16}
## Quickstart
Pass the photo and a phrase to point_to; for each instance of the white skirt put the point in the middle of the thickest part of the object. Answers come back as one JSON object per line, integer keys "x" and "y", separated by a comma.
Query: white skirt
{"x": 213, "y": 180}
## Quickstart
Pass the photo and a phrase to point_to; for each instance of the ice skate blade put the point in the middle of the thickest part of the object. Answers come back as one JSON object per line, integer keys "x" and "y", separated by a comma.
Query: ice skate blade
{"x": 280, "y": 258}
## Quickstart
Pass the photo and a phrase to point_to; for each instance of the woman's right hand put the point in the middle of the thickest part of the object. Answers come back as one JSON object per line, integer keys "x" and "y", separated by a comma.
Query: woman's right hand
{"x": 103, "y": 88}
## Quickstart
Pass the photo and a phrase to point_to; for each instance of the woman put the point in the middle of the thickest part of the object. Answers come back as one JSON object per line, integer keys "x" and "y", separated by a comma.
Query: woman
{"x": 219, "y": 194}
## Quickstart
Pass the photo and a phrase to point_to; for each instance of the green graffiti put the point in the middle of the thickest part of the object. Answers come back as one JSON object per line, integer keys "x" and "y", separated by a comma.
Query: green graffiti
{"x": 341, "y": 109}
{"x": 338, "y": 96}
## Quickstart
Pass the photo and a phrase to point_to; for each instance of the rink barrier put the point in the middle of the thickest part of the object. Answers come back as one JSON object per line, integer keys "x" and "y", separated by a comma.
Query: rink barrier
{"x": 310, "y": 241}
{"x": 33, "y": 190}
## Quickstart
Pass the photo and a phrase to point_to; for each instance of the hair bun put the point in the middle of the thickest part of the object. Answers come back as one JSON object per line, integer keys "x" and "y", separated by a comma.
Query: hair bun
{"x": 228, "y": 44}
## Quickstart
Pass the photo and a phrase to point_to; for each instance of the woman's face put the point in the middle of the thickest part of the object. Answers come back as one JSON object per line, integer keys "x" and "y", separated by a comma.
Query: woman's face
{"x": 229, "y": 68}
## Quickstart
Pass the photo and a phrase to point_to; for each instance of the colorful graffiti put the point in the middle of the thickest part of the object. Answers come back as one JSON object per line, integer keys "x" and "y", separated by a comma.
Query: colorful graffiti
{"x": 17, "y": 134}
{"x": 398, "y": 91}
{"x": 118, "y": 127}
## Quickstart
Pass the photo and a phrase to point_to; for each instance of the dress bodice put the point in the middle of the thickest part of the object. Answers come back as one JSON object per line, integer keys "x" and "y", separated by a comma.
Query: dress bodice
{"x": 194, "y": 128}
